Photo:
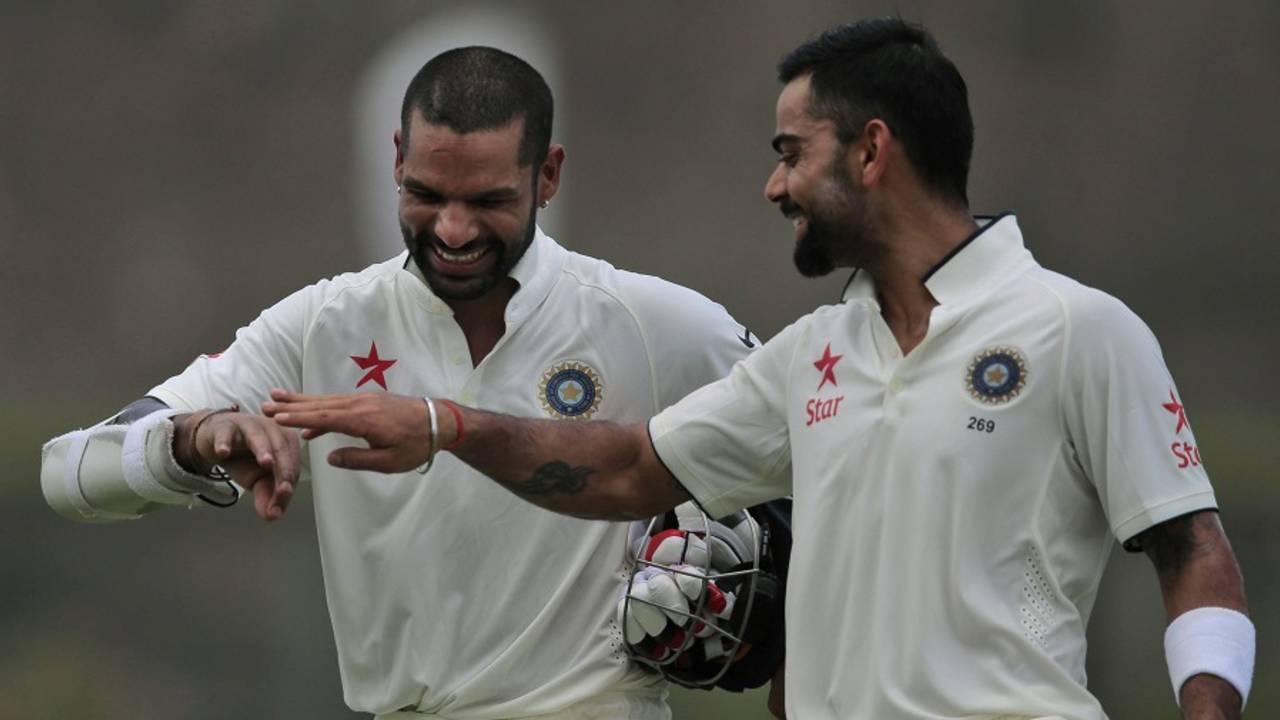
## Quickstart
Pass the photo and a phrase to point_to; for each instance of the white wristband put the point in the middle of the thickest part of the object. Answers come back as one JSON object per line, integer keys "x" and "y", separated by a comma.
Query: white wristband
{"x": 1211, "y": 640}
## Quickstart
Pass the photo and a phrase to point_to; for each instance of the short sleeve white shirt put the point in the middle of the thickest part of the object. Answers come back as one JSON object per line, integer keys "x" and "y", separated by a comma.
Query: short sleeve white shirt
{"x": 448, "y": 594}
{"x": 953, "y": 508}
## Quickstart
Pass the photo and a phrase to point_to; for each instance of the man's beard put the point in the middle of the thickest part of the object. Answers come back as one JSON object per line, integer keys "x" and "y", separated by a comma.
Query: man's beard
{"x": 813, "y": 253}
{"x": 834, "y": 233}
{"x": 448, "y": 287}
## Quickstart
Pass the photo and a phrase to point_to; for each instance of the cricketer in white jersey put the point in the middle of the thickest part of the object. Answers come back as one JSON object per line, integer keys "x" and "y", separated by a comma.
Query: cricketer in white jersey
{"x": 449, "y": 597}
{"x": 954, "y": 508}
{"x": 965, "y": 437}
{"x": 448, "y": 594}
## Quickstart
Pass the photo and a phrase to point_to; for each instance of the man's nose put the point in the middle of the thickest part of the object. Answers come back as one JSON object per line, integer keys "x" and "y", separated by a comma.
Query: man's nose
{"x": 456, "y": 225}
{"x": 775, "y": 188}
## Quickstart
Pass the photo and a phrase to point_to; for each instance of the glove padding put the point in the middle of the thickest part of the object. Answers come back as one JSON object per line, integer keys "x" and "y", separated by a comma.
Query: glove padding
{"x": 682, "y": 612}
{"x": 661, "y": 614}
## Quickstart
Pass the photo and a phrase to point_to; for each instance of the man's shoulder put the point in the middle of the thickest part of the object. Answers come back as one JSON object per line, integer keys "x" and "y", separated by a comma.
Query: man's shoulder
{"x": 640, "y": 294}
{"x": 820, "y": 325}
{"x": 1076, "y": 299}
{"x": 674, "y": 323}
{"x": 379, "y": 271}
{"x": 374, "y": 278}
{"x": 1087, "y": 311}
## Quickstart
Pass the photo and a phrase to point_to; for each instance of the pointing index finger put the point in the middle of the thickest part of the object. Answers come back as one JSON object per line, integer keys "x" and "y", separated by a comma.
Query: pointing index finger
{"x": 321, "y": 420}
{"x": 290, "y": 402}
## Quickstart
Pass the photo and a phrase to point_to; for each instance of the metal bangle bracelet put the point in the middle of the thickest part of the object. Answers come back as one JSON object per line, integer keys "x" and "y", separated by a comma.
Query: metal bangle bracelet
{"x": 435, "y": 436}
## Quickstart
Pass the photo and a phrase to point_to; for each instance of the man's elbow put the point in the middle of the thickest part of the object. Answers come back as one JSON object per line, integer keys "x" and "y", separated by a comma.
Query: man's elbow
{"x": 642, "y": 491}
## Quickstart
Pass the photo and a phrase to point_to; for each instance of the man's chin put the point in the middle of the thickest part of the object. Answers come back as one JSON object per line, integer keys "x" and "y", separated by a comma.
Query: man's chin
{"x": 812, "y": 262}
{"x": 452, "y": 287}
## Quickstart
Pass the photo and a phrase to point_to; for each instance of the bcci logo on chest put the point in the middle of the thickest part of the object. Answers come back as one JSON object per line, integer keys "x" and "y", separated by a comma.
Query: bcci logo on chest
{"x": 997, "y": 375}
{"x": 570, "y": 390}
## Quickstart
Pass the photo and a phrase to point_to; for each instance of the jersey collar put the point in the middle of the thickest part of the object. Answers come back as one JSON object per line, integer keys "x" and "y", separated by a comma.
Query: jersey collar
{"x": 991, "y": 253}
{"x": 536, "y": 272}
{"x": 976, "y": 265}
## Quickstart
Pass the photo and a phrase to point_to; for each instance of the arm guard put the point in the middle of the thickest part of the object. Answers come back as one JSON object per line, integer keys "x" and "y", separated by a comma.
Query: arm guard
{"x": 115, "y": 472}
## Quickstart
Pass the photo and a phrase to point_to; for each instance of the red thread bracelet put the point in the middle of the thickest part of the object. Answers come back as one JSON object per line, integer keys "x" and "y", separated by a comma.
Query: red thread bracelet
{"x": 457, "y": 419}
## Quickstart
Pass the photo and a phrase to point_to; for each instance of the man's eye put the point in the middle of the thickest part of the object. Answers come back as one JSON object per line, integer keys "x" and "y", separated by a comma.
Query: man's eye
{"x": 492, "y": 203}
{"x": 788, "y": 159}
{"x": 426, "y": 196}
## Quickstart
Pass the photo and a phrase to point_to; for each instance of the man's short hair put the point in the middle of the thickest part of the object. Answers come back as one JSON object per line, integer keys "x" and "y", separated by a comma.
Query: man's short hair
{"x": 477, "y": 88}
{"x": 891, "y": 69}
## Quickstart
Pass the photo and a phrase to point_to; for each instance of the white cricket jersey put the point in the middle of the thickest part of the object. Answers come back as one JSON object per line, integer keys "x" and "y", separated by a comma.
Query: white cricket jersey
{"x": 448, "y": 594}
{"x": 954, "y": 508}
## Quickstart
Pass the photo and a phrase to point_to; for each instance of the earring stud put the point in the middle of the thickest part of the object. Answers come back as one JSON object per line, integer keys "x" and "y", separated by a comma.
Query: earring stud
{"x": 544, "y": 204}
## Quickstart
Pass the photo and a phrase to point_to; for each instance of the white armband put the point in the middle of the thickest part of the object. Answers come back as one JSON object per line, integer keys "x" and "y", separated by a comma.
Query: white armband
{"x": 1214, "y": 641}
{"x": 119, "y": 472}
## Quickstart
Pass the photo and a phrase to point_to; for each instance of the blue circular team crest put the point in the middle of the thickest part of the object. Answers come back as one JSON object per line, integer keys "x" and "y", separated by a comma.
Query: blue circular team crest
{"x": 570, "y": 390}
{"x": 997, "y": 375}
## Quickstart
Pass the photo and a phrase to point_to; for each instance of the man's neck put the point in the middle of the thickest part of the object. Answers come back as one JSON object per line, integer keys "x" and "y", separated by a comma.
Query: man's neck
{"x": 914, "y": 242}
{"x": 483, "y": 320}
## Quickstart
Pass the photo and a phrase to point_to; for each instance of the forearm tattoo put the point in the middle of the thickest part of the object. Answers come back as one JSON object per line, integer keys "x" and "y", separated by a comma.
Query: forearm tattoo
{"x": 556, "y": 477}
{"x": 1172, "y": 544}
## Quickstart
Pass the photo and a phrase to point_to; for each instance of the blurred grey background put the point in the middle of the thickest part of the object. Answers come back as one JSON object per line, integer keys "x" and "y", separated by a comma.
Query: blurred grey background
{"x": 167, "y": 169}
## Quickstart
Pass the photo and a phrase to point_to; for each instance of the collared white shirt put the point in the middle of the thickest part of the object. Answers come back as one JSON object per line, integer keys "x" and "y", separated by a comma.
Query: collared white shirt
{"x": 447, "y": 593}
{"x": 953, "y": 508}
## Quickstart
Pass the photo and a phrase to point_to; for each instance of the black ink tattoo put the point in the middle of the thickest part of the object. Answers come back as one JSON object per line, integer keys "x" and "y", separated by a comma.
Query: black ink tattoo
{"x": 1173, "y": 543}
{"x": 556, "y": 477}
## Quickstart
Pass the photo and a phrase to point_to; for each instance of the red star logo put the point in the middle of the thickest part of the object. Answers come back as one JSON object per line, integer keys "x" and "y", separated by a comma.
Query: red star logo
{"x": 1176, "y": 408}
{"x": 375, "y": 365}
{"x": 827, "y": 366}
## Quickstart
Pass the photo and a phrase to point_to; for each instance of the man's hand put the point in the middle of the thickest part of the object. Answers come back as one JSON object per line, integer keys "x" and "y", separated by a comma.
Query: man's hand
{"x": 260, "y": 455}
{"x": 395, "y": 426}
{"x": 596, "y": 470}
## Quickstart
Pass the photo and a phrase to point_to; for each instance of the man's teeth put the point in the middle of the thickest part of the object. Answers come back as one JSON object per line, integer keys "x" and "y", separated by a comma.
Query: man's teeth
{"x": 795, "y": 221}
{"x": 460, "y": 258}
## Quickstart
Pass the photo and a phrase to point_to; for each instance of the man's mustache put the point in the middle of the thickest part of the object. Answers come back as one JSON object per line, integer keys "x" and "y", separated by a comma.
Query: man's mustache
{"x": 428, "y": 239}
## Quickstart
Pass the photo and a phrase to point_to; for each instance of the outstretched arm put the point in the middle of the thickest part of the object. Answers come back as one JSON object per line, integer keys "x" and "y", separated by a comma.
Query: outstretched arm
{"x": 594, "y": 470}
{"x": 149, "y": 456}
{"x": 1197, "y": 569}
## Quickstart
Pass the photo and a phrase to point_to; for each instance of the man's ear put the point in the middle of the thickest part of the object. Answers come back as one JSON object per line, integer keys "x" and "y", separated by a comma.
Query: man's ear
{"x": 868, "y": 155}
{"x": 398, "y": 168}
{"x": 549, "y": 174}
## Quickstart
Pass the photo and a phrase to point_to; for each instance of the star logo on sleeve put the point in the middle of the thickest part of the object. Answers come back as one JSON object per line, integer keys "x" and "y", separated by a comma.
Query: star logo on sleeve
{"x": 827, "y": 366}
{"x": 375, "y": 366}
{"x": 1176, "y": 408}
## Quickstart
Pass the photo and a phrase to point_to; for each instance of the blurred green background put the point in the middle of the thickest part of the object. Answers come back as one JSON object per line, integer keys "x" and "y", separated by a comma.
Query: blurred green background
{"x": 169, "y": 168}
